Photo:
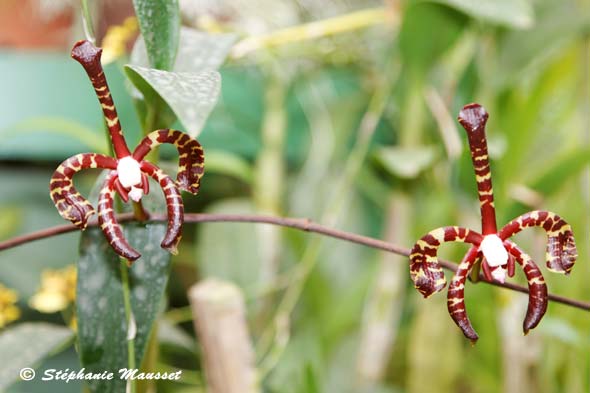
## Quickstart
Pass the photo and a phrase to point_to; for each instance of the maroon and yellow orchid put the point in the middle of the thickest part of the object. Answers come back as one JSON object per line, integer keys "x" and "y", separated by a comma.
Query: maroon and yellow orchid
{"x": 129, "y": 172}
{"x": 492, "y": 247}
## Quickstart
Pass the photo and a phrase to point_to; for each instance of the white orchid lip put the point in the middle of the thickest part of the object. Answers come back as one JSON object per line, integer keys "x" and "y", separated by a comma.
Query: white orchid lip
{"x": 136, "y": 193}
{"x": 129, "y": 172}
{"x": 499, "y": 274}
{"x": 494, "y": 251}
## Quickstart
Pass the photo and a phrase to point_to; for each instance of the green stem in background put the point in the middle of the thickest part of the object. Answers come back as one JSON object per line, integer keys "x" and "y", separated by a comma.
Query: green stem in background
{"x": 324, "y": 28}
{"x": 130, "y": 324}
{"x": 338, "y": 201}
{"x": 270, "y": 172}
{"x": 87, "y": 22}
{"x": 385, "y": 299}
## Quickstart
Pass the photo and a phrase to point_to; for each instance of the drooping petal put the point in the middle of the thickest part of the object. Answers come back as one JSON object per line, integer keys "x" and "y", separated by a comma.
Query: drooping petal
{"x": 425, "y": 270}
{"x": 537, "y": 287}
{"x": 561, "y": 246}
{"x": 108, "y": 221}
{"x": 456, "y": 295}
{"x": 191, "y": 160}
{"x": 174, "y": 206}
{"x": 70, "y": 204}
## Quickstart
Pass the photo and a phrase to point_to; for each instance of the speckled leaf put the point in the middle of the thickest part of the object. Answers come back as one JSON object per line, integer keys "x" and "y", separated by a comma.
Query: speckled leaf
{"x": 26, "y": 344}
{"x": 197, "y": 51}
{"x": 191, "y": 96}
{"x": 102, "y": 327}
{"x": 513, "y": 13}
{"x": 159, "y": 22}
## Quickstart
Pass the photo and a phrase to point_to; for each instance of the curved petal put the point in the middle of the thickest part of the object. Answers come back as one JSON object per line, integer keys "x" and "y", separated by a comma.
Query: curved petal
{"x": 425, "y": 270}
{"x": 69, "y": 203}
{"x": 456, "y": 295}
{"x": 174, "y": 206}
{"x": 191, "y": 160}
{"x": 537, "y": 287}
{"x": 108, "y": 221}
{"x": 561, "y": 245}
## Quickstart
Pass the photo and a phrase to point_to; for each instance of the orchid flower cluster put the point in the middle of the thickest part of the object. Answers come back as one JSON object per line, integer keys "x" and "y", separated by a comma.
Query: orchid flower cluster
{"x": 497, "y": 253}
{"x": 128, "y": 172}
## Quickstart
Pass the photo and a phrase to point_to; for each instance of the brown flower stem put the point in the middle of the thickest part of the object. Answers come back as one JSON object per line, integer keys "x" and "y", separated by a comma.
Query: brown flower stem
{"x": 295, "y": 223}
{"x": 139, "y": 212}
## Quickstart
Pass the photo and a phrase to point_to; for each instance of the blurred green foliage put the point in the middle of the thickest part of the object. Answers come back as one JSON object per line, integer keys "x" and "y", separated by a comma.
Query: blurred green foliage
{"x": 527, "y": 62}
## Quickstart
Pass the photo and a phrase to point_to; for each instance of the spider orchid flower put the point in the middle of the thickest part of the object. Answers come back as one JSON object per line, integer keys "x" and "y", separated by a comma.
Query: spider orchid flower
{"x": 493, "y": 248}
{"x": 129, "y": 172}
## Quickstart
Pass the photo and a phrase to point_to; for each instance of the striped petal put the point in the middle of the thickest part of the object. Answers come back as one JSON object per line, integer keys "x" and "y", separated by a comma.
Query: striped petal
{"x": 191, "y": 159}
{"x": 108, "y": 221}
{"x": 425, "y": 270}
{"x": 70, "y": 204}
{"x": 174, "y": 206}
{"x": 456, "y": 295}
{"x": 561, "y": 246}
{"x": 537, "y": 287}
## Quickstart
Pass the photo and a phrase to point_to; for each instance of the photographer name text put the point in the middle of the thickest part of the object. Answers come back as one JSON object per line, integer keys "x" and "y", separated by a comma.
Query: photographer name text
{"x": 68, "y": 375}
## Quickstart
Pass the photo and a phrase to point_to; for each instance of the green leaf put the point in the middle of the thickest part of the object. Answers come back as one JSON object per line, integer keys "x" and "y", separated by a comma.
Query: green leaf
{"x": 170, "y": 334}
{"x": 560, "y": 170}
{"x": 190, "y": 96}
{"x": 552, "y": 179}
{"x": 229, "y": 164}
{"x": 196, "y": 92}
{"x": 512, "y": 13}
{"x": 58, "y": 128}
{"x": 26, "y": 344}
{"x": 556, "y": 27}
{"x": 406, "y": 162}
{"x": 102, "y": 321}
{"x": 311, "y": 381}
{"x": 197, "y": 51}
{"x": 102, "y": 327}
{"x": 159, "y": 22}
{"x": 419, "y": 47}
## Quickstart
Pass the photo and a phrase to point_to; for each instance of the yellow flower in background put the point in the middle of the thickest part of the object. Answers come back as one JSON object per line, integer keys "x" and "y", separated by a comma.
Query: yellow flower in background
{"x": 57, "y": 292}
{"x": 114, "y": 41}
{"x": 8, "y": 311}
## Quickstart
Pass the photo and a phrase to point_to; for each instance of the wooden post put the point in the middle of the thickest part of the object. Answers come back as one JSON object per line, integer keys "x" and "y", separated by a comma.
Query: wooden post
{"x": 220, "y": 322}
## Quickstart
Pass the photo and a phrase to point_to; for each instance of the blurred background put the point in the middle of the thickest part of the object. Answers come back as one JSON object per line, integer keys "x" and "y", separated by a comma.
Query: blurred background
{"x": 341, "y": 111}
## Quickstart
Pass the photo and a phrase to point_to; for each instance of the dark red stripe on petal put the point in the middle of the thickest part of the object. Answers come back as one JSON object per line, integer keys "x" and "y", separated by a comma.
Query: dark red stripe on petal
{"x": 88, "y": 56}
{"x": 473, "y": 118}
{"x": 191, "y": 157}
{"x": 108, "y": 221}
{"x": 561, "y": 245}
{"x": 456, "y": 295}
{"x": 70, "y": 204}
{"x": 174, "y": 205}
{"x": 425, "y": 270}
{"x": 537, "y": 288}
